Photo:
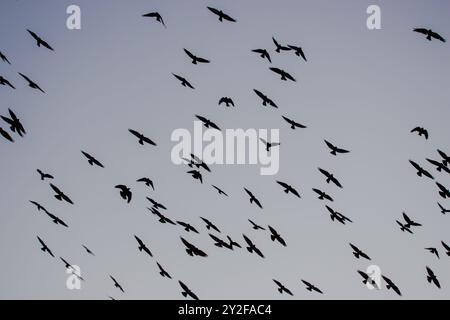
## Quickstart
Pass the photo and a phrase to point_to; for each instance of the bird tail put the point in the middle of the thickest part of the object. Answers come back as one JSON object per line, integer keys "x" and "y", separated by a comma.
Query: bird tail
{"x": 429, "y": 279}
{"x": 140, "y": 248}
{"x": 280, "y": 290}
{"x": 356, "y": 255}
{"x": 286, "y": 190}
{"x": 429, "y": 37}
{"x": 184, "y": 294}
{"x": 250, "y": 249}
{"x": 91, "y": 162}
{"x": 333, "y": 152}
{"x": 272, "y": 237}
{"x": 58, "y": 196}
{"x": 141, "y": 142}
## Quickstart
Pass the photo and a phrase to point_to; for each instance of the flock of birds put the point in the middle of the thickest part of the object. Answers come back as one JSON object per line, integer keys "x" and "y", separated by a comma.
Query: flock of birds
{"x": 197, "y": 166}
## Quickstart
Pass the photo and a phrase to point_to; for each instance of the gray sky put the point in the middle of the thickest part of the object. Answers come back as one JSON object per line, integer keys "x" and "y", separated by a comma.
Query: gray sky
{"x": 363, "y": 90}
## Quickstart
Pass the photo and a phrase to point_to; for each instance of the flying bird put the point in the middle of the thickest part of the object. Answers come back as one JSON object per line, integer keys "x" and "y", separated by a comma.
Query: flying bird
{"x": 220, "y": 191}
{"x": 222, "y": 16}
{"x": 92, "y": 160}
{"x": 183, "y": 81}
{"x": 56, "y": 220}
{"x": 279, "y": 47}
{"x": 156, "y": 204}
{"x": 275, "y": 236}
{"x": 445, "y": 157}
{"x": 338, "y": 216}
{"x": 116, "y": 284}
{"x": 265, "y": 100}
{"x": 253, "y": 198}
{"x": 45, "y": 248}
{"x": 60, "y": 195}
{"x": 162, "y": 218}
{"x": 294, "y": 124}
{"x": 446, "y": 247}
{"x": 335, "y": 150}
{"x": 142, "y": 139}
{"x": 421, "y": 132}
{"x": 6, "y": 135}
{"x": 3, "y": 57}
{"x": 207, "y": 123}
{"x": 44, "y": 175}
{"x": 163, "y": 272}
{"x": 431, "y": 278}
{"x": 430, "y": 34}
{"x": 421, "y": 171}
{"x": 251, "y": 247}
{"x": 410, "y": 222}
{"x": 443, "y": 210}
{"x": 439, "y": 165}
{"x": 155, "y": 15}
{"x": 192, "y": 250}
{"x": 187, "y": 292}
{"x": 187, "y": 227}
{"x": 5, "y": 82}
{"x": 288, "y": 188}
{"x": 368, "y": 279}
{"x": 310, "y": 287}
{"x": 66, "y": 264}
{"x": 38, "y": 206}
{"x": 298, "y": 51}
{"x": 269, "y": 145}
{"x": 219, "y": 242}
{"x": 32, "y": 84}
{"x": 433, "y": 251}
{"x": 142, "y": 246}
{"x": 391, "y": 285}
{"x": 197, "y": 162}
{"x": 210, "y": 225}
{"x": 263, "y": 54}
{"x": 147, "y": 181}
{"x": 282, "y": 288}
{"x": 233, "y": 243}
{"x": 322, "y": 195}
{"x": 15, "y": 124}
{"x": 443, "y": 191}
{"x": 255, "y": 226}
{"x": 39, "y": 40}
{"x": 89, "y": 251}
{"x": 358, "y": 253}
{"x": 196, "y": 175}
{"x": 194, "y": 58}
{"x": 228, "y": 101}
{"x": 125, "y": 192}
{"x": 404, "y": 227}
{"x": 284, "y": 75}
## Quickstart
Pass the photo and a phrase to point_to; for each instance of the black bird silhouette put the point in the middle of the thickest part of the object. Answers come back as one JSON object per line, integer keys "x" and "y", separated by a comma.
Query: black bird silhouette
{"x": 125, "y": 192}
{"x": 92, "y": 160}
{"x": 187, "y": 292}
{"x": 192, "y": 250}
{"x": 66, "y": 264}
{"x": 222, "y": 16}
{"x": 233, "y": 243}
{"x": 269, "y": 145}
{"x": 443, "y": 191}
{"x": 443, "y": 210}
{"x": 196, "y": 175}
{"x": 228, "y": 101}
{"x": 279, "y": 47}
{"x": 284, "y": 75}
{"x": 38, "y": 206}
{"x": 298, "y": 51}
{"x": 142, "y": 246}
{"x": 141, "y": 138}
{"x": 310, "y": 287}
{"x": 338, "y": 216}
{"x": 45, "y": 247}
{"x": 358, "y": 253}
{"x": 207, "y": 123}
{"x": 275, "y": 236}
{"x": 430, "y": 34}
{"x": 44, "y": 175}
{"x": 282, "y": 288}
{"x": 288, "y": 188}
{"x": 197, "y": 162}
{"x": 263, "y": 54}
{"x": 187, "y": 227}
{"x": 31, "y": 84}
{"x": 391, "y": 285}
{"x": 210, "y": 225}
{"x": 147, "y": 181}
{"x": 39, "y": 41}
{"x": 431, "y": 278}
{"x": 219, "y": 242}
{"x": 5, "y": 82}
{"x": 335, "y": 150}
{"x": 3, "y": 57}
{"x": 156, "y": 204}
{"x": 433, "y": 251}
{"x": 55, "y": 219}
{"x": 421, "y": 171}
{"x": 253, "y": 198}
{"x": 155, "y": 15}
{"x": 162, "y": 218}
{"x": 163, "y": 272}
{"x": 194, "y": 58}
{"x": 6, "y": 135}
{"x": 439, "y": 165}
{"x": 445, "y": 157}
{"x": 447, "y": 248}
{"x": 410, "y": 222}
{"x": 60, "y": 195}
{"x": 251, "y": 247}
{"x": 294, "y": 124}
{"x": 265, "y": 100}
{"x": 15, "y": 124}
{"x": 183, "y": 81}
{"x": 88, "y": 250}
{"x": 421, "y": 131}
{"x": 255, "y": 226}
{"x": 368, "y": 279}
{"x": 404, "y": 227}
{"x": 220, "y": 191}
{"x": 116, "y": 284}
{"x": 322, "y": 195}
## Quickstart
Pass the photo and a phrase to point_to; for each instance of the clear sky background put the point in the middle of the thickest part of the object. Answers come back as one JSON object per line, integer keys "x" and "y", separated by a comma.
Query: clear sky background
{"x": 363, "y": 90}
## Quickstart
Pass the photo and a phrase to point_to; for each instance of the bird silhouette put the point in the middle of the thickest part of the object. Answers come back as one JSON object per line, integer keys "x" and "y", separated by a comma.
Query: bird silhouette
{"x": 6, "y": 135}
{"x": 196, "y": 175}
{"x": 162, "y": 218}
{"x": 116, "y": 284}
{"x": 335, "y": 150}
{"x": 15, "y": 124}
{"x": 219, "y": 242}
{"x": 155, "y": 15}
{"x": 251, "y": 247}
{"x": 39, "y": 40}
{"x": 294, "y": 124}
{"x": 255, "y": 226}
{"x": 38, "y": 206}
{"x": 404, "y": 227}
{"x": 322, "y": 195}
{"x": 187, "y": 227}
{"x": 430, "y": 34}
{"x": 391, "y": 285}
{"x": 187, "y": 292}
{"x": 142, "y": 246}
{"x": 421, "y": 132}
{"x": 265, "y": 100}
{"x": 410, "y": 222}
{"x": 279, "y": 47}
{"x": 192, "y": 250}
{"x": 310, "y": 287}
{"x": 445, "y": 157}
{"x": 433, "y": 251}
{"x": 44, "y": 175}
{"x": 60, "y": 195}
{"x": 358, "y": 253}
{"x": 125, "y": 192}
{"x": 275, "y": 236}
{"x": 439, "y": 165}
{"x": 67, "y": 264}
{"x": 163, "y": 272}
{"x": 284, "y": 75}
{"x": 443, "y": 191}
{"x": 4, "y": 58}
{"x": 222, "y": 16}
{"x": 421, "y": 171}
{"x": 232, "y": 243}
{"x": 253, "y": 198}
{"x": 431, "y": 278}
{"x": 282, "y": 288}
{"x": 207, "y": 123}
{"x": 183, "y": 81}
{"x": 443, "y": 210}
{"x": 269, "y": 145}
{"x": 91, "y": 160}
{"x": 368, "y": 279}
{"x": 298, "y": 51}
{"x": 289, "y": 189}
{"x": 56, "y": 219}
{"x": 228, "y": 101}
{"x": 5, "y": 82}
{"x": 142, "y": 139}
{"x": 45, "y": 248}
{"x": 195, "y": 59}
{"x": 446, "y": 247}
{"x": 220, "y": 191}
{"x": 147, "y": 181}
{"x": 156, "y": 204}
{"x": 31, "y": 84}
{"x": 89, "y": 251}
{"x": 338, "y": 216}
{"x": 210, "y": 225}
{"x": 263, "y": 54}
{"x": 197, "y": 162}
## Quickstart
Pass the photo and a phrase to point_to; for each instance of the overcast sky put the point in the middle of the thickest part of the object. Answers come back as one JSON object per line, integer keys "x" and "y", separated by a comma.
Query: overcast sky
{"x": 362, "y": 90}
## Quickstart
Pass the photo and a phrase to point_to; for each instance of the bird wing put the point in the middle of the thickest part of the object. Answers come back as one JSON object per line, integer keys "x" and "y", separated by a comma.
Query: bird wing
{"x": 190, "y": 54}
{"x": 227, "y": 17}
{"x": 421, "y": 30}
{"x": 55, "y": 188}
{"x": 437, "y": 36}
{"x": 202, "y": 60}
{"x": 135, "y": 133}
{"x": 331, "y": 146}
{"x": 214, "y": 10}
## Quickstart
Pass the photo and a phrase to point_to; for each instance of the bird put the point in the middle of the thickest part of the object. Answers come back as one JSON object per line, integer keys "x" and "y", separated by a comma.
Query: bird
{"x": 5, "y": 82}
{"x": 421, "y": 132}
{"x": 220, "y": 191}
{"x": 284, "y": 75}
{"x": 38, "y": 206}
{"x": 163, "y": 272}
{"x": 56, "y": 220}
{"x": 338, "y": 216}
{"x": 162, "y": 218}
{"x": 310, "y": 287}
{"x": 183, "y": 81}
{"x": 269, "y": 145}
{"x": 196, "y": 175}
{"x": 368, "y": 279}
{"x": 195, "y": 59}
{"x": 228, "y": 101}
{"x": 233, "y": 243}
{"x": 193, "y": 250}
{"x": 431, "y": 278}
{"x": 263, "y": 54}
{"x": 430, "y": 34}
{"x": 67, "y": 264}
{"x": 251, "y": 247}
{"x": 45, "y": 248}
{"x": 89, "y": 251}
{"x": 187, "y": 292}
{"x": 391, "y": 285}
{"x": 210, "y": 225}
{"x": 275, "y": 236}
{"x": 433, "y": 251}
{"x": 410, "y": 222}
{"x": 156, "y": 204}
{"x": 187, "y": 227}
{"x": 44, "y": 175}
{"x": 39, "y": 40}
{"x": 358, "y": 253}
{"x": 147, "y": 181}
{"x": 298, "y": 51}
{"x": 6, "y": 135}
{"x": 404, "y": 227}
{"x": 222, "y": 16}
{"x": 60, "y": 195}
{"x": 155, "y": 15}
{"x": 116, "y": 284}
{"x": 439, "y": 165}
{"x": 445, "y": 157}
{"x": 265, "y": 100}
{"x": 142, "y": 246}
{"x": 253, "y": 198}
{"x": 288, "y": 188}
{"x": 255, "y": 226}
{"x": 125, "y": 192}
{"x": 447, "y": 248}
{"x": 197, "y": 162}
{"x": 279, "y": 47}
{"x": 443, "y": 210}
{"x": 421, "y": 171}
{"x": 31, "y": 84}
{"x": 4, "y": 58}
{"x": 443, "y": 191}
{"x": 92, "y": 160}
{"x": 293, "y": 123}
{"x": 322, "y": 195}
{"x": 282, "y": 288}
{"x": 335, "y": 150}
{"x": 219, "y": 242}
{"x": 15, "y": 124}
{"x": 142, "y": 139}
{"x": 207, "y": 123}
